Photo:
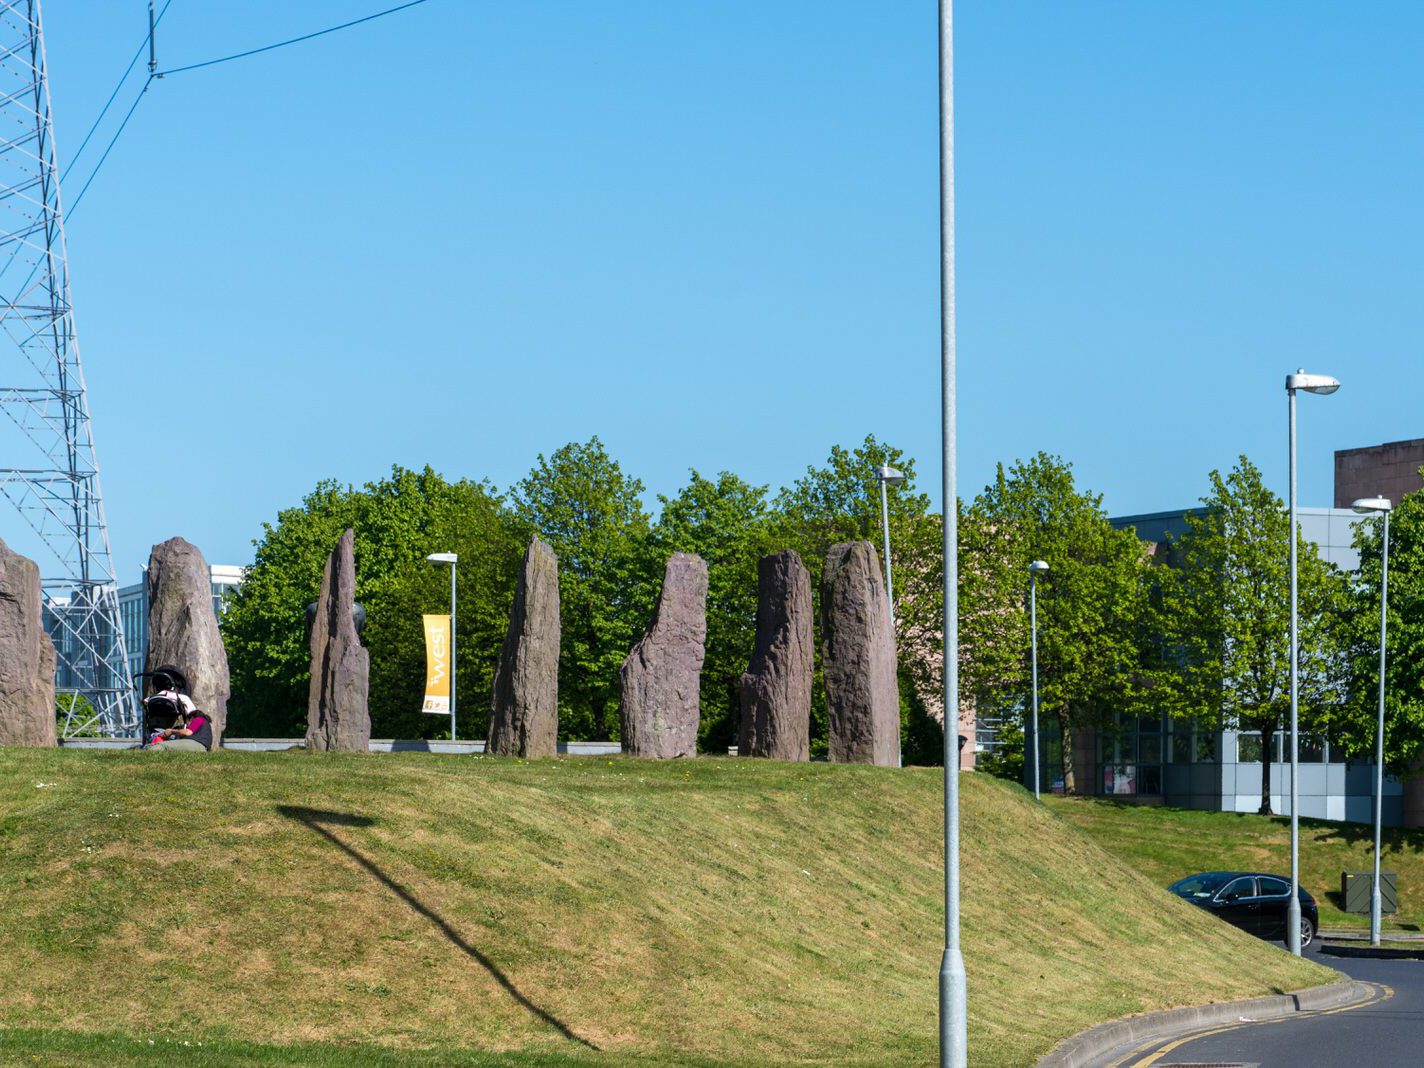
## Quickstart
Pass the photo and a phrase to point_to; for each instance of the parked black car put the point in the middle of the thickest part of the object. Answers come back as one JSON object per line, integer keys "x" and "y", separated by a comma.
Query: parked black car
{"x": 1251, "y": 900}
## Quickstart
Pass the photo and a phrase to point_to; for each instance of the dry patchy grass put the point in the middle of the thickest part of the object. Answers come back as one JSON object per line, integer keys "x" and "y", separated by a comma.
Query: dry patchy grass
{"x": 738, "y": 911}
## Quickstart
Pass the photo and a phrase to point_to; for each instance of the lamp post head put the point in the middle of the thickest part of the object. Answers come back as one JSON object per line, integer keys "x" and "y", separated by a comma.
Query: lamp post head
{"x": 889, "y": 475}
{"x": 1322, "y": 384}
{"x": 1372, "y": 505}
{"x": 1038, "y": 567}
{"x": 443, "y": 558}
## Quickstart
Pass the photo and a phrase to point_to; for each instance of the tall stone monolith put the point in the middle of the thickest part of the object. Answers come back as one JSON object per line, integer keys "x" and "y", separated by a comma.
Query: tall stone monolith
{"x": 183, "y": 627}
{"x": 858, "y": 658}
{"x": 660, "y": 681}
{"x": 337, "y": 713}
{"x": 776, "y": 687}
{"x": 27, "y": 659}
{"x": 524, "y": 709}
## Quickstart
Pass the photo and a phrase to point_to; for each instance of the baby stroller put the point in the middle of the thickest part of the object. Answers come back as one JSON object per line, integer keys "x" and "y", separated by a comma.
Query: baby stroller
{"x": 169, "y": 704}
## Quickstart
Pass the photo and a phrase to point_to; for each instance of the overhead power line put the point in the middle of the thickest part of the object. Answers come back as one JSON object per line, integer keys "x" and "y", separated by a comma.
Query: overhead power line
{"x": 292, "y": 41}
{"x": 144, "y": 44}
{"x": 69, "y": 212}
{"x": 148, "y": 44}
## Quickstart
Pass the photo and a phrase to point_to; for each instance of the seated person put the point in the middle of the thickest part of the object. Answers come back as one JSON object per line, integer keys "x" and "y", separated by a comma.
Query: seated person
{"x": 194, "y": 732}
{"x": 189, "y": 727}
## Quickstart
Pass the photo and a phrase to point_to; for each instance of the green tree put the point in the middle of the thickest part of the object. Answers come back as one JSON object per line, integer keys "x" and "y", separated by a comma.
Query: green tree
{"x": 1225, "y": 618}
{"x": 591, "y": 514}
{"x": 727, "y": 523}
{"x": 841, "y": 502}
{"x": 1089, "y": 606}
{"x": 1354, "y": 724}
{"x": 398, "y": 521}
{"x": 264, "y": 626}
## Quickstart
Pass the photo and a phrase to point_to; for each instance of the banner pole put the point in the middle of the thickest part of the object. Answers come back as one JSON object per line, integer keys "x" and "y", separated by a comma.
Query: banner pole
{"x": 452, "y": 651}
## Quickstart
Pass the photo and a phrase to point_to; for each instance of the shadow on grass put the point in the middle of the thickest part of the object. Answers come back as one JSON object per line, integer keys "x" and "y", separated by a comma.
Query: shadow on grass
{"x": 1392, "y": 839}
{"x": 319, "y": 820}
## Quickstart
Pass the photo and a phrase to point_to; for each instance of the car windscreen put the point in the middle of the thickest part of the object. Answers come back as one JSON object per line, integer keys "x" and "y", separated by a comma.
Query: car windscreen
{"x": 1201, "y": 885}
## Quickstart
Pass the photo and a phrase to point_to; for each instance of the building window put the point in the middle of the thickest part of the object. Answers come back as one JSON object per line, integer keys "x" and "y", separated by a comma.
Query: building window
{"x": 1132, "y": 753}
{"x": 1248, "y": 748}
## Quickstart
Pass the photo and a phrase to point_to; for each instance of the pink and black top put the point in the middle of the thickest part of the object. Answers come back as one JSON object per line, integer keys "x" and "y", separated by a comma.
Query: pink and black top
{"x": 202, "y": 729}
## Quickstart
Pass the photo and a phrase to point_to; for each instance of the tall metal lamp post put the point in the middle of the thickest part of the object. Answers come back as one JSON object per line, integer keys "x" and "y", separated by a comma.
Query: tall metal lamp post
{"x": 1379, "y": 506}
{"x": 1324, "y": 385}
{"x": 452, "y": 559}
{"x": 888, "y": 476}
{"x": 953, "y": 984}
{"x": 1038, "y": 567}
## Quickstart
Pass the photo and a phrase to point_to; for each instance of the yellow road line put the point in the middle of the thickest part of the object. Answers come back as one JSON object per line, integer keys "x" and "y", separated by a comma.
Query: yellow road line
{"x": 1382, "y": 993}
{"x": 1151, "y": 1044}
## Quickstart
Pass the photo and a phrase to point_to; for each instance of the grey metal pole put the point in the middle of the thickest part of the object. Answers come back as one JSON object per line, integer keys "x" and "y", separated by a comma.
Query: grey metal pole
{"x": 1293, "y": 906}
{"x": 953, "y": 998}
{"x": 1033, "y": 627}
{"x": 889, "y": 586}
{"x": 885, "y": 522}
{"x": 1379, "y": 741}
{"x": 453, "y": 658}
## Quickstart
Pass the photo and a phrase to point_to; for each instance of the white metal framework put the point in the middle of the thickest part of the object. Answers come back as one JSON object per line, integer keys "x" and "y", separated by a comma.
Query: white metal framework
{"x": 54, "y": 486}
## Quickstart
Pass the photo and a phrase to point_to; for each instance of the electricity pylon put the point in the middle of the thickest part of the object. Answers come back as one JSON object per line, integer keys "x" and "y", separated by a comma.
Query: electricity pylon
{"x": 55, "y": 486}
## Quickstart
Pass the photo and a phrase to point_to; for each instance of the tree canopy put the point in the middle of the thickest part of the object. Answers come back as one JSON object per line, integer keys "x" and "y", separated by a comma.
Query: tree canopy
{"x": 398, "y": 521}
{"x": 1354, "y": 725}
{"x": 591, "y": 514}
{"x": 1225, "y": 618}
{"x": 1202, "y": 639}
{"x": 1090, "y": 603}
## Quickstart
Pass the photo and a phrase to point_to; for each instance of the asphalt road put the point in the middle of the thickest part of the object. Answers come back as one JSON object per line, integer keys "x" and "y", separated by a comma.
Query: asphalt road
{"x": 1385, "y": 1033}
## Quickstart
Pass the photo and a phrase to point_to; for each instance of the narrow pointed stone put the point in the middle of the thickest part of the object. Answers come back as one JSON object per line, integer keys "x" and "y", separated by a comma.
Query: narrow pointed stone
{"x": 524, "y": 708}
{"x": 858, "y": 658}
{"x": 338, "y": 716}
{"x": 660, "y": 681}
{"x": 776, "y": 687}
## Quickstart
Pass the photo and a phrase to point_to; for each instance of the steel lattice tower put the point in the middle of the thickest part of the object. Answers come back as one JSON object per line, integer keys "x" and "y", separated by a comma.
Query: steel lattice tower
{"x": 56, "y": 491}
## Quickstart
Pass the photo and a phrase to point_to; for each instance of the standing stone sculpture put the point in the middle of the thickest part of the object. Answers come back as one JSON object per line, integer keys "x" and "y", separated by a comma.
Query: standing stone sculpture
{"x": 776, "y": 687}
{"x": 660, "y": 682}
{"x": 858, "y": 658}
{"x": 338, "y": 717}
{"x": 183, "y": 628}
{"x": 27, "y": 658}
{"x": 524, "y": 710}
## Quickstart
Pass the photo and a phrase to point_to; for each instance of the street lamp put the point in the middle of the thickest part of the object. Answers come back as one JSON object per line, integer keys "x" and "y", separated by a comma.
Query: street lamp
{"x": 1378, "y": 506}
{"x": 953, "y": 983}
{"x": 452, "y": 559}
{"x": 1038, "y": 567}
{"x": 888, "y": 476}
{"x": 1324, "y": 385}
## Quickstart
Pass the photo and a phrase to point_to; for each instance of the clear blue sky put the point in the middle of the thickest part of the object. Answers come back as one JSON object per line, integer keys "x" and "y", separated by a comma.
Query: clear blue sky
{"x": 706, "y": 231}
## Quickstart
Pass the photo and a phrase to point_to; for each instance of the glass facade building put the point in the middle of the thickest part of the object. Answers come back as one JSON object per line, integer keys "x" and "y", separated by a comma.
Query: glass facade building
{"x": 1158, "y": 760}
{"x": 133, "y": 610}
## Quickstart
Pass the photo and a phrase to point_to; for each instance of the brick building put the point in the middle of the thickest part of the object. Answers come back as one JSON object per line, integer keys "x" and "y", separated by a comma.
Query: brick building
{"x": 1389, "y": 470}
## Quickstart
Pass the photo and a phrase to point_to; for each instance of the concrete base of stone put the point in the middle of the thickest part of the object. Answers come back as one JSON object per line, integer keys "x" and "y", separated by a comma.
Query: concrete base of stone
{"x": 376, "y": 745}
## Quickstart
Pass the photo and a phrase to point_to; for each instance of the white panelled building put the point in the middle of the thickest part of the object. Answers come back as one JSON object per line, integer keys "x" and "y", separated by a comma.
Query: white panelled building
{"x": 1159, "y": 761}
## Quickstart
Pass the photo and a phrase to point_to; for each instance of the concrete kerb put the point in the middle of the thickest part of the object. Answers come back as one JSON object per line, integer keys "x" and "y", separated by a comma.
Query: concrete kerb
{"x": 1088, "y": 1047}
{"x": 1374, "y": 952}
{"x": 1361, "y": 934}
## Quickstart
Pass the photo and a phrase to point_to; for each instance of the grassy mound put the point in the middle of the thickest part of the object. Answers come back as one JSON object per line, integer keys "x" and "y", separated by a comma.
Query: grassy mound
{"x": 1167, "y": 843}
{"x": 503, "y": 912}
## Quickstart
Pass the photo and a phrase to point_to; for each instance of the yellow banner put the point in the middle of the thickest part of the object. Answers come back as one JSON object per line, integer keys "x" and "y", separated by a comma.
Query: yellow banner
{"x": 437, "y": 665}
